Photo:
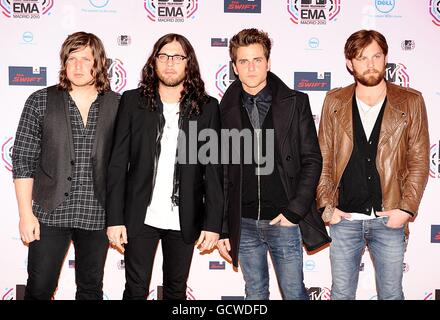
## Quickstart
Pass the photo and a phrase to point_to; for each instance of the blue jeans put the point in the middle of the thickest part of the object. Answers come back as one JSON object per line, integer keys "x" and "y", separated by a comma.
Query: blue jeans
{"x": 386, "y": 246}
{"x": 284, "y": 245}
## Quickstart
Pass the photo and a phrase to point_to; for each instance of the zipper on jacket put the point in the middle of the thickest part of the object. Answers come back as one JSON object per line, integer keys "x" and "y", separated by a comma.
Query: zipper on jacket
{"x": 258, "y": 132}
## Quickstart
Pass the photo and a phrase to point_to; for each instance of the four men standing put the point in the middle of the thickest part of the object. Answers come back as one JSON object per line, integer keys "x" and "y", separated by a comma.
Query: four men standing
{"x": 79, "y": 166}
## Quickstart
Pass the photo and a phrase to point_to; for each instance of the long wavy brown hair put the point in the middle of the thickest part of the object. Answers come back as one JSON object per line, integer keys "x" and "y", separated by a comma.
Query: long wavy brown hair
{"x": 193, "y": 95}
{"x": 80, "y": 40}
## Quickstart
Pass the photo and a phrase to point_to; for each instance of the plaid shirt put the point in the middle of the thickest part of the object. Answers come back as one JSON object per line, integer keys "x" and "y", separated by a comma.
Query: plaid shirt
{"x": 81, "y": 208}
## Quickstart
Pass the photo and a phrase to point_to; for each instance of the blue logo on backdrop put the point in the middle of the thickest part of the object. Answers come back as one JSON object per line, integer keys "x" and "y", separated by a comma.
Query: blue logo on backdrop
{"x": 313, "y": 43}
{"x": 99, "y": 3}
{"x": 385, "y": 6}
{"x": 309, "y": 265}
{"x": 27, "y": 36}
{"x": 27, "y": 76}
{"x": 243, "y": 6}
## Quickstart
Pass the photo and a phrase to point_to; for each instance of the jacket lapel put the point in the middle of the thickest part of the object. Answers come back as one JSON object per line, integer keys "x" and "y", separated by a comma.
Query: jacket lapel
{"x": 283, "y": 109}
{"x": 343, "y": 113}
{"x": 393, "y": 115}
{"x": 230, "y": 107}
{"x": 282, "y": 115}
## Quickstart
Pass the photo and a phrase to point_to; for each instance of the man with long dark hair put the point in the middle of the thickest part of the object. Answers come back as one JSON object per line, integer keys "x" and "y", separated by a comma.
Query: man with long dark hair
{"x": 60, "y": 159}
{"x": 375, "y": 146}
{"x": 160, "y": 186}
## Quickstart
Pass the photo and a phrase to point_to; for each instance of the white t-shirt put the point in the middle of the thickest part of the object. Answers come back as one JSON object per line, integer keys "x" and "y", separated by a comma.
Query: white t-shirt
{"x": 368, "y": 116}
{"x": 161, "y": 213}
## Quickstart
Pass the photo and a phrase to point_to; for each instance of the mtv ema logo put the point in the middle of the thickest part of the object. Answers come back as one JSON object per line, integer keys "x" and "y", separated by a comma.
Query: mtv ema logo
{"x": 117, "y": 74}
{"x": 7, "y": 153}
{"x": 317, "y": 293}
{"x": 171, "y": 10}
{"x": 397, "y": 73}
{"x": 434, "y": 163}
{"x": 313, "y": 11}
{"x": 434, "y": 10}
{"x": 26, "y": 9}
{"x": 224, "y": 76}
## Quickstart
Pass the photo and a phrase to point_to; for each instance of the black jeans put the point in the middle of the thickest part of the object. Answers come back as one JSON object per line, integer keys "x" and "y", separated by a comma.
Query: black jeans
{"x": 46, "y": 257}
{"x": 139, "y": 259}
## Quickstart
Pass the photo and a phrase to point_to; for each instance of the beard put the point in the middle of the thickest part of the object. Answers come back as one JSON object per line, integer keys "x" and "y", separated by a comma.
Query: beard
{"x": 171, "y": 81}
{"x": 369, "y": 78}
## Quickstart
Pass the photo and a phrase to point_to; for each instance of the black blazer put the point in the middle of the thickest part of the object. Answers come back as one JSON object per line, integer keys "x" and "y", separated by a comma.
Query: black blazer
{"x": 131, "y": 171}
{"x": 299, "y": 167}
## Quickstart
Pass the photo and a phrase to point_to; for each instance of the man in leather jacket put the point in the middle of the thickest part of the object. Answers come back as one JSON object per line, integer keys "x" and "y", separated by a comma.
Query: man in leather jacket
{"x": 375, "y": 146}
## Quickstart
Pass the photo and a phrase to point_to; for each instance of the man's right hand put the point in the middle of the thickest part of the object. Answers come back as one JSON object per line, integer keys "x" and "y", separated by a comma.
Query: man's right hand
{"x": 29, "y": 228}
{"x": 117, "y": 235}
{"x": 338, "y": 215}
{"x": 224, "y": 247}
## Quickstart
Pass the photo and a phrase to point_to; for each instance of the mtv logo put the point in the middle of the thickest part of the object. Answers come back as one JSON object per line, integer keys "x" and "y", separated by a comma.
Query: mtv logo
{"x": 391, "y": 72}
{"x": 124, "y": 40}
{"x": 408, "y": 44}
{"x": 317, "y": 293}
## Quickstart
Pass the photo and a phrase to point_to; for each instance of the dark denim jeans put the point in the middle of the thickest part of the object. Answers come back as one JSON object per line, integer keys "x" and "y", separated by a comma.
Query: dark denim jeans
{"x": 46, "y": 257}
{"x": 386, "y": 246}
{"x": 285, "y": 248}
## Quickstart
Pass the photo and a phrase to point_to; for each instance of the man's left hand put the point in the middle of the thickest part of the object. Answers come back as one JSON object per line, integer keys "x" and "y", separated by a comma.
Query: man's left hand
{"x": 207, "y": 240}
{"x": 397, "y": 217}
{"x": 282, "y": 220}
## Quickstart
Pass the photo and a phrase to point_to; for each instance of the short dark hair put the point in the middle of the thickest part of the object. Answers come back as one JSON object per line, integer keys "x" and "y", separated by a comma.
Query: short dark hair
{"x": 359, "y": 40}
{"x": 247, "y": 37}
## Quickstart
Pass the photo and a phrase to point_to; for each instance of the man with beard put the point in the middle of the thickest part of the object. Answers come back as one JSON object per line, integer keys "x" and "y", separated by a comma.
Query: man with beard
{"x": 375, "y": 147}
{"x": 154, "y": 192}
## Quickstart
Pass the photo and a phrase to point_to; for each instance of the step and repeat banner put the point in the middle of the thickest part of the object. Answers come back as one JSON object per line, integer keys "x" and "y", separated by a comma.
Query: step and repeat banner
{"x": 308, "y": 40}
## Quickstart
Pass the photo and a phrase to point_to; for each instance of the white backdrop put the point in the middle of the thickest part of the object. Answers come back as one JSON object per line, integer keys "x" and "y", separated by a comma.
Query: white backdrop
{"x": 308, "y": 36}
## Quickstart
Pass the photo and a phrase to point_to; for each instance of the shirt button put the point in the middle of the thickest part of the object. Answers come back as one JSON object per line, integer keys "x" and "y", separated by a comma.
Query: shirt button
{"x": 370, "y": 142}
{"x": 369, "y": 177}
{"x": 288, "y": 158}
{"x": 367, "y": 210}
{"x": 368, "y": 159}
{"x": 69, "y": 178}
{"x": 66, "y": 194}
{"x": 72, "y": 162}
